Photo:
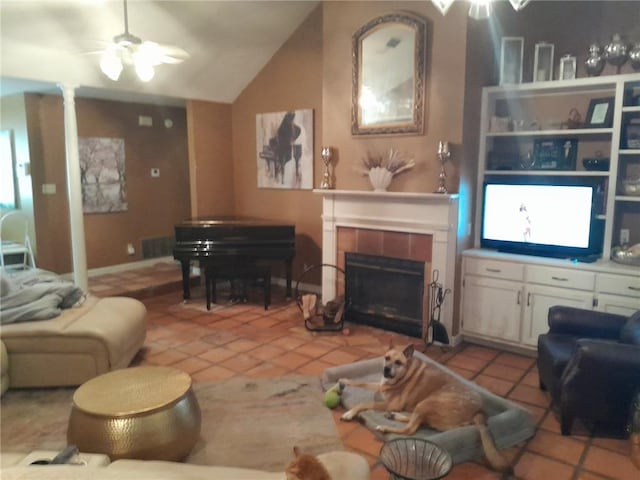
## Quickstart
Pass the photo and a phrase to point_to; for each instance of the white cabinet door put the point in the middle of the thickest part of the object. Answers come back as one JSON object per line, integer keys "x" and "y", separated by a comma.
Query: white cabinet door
{"x": 538, "y": 301}
{"x": 618, "y": 304}
{"x": 491, "y": 307}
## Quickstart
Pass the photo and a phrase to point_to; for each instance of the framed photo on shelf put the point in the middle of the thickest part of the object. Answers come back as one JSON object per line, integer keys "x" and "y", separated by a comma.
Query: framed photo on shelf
{"x": 554, "y": 154}
{"x": 632, "y": 134}
{"x": 567, "y": 67}
{"x": 600, "y": 113}
{"x": 543, "y": 62}
{"x": 511, "y": 60}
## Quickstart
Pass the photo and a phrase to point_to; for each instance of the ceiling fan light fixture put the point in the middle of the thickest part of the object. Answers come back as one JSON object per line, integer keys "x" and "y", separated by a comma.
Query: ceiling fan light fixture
{"x": 519, "y": 4}
{"x": 144, "y": 70}
{"x": 443, "y": 5}
{"x": 480, "y": 9}
{"x": 111, "y": 65}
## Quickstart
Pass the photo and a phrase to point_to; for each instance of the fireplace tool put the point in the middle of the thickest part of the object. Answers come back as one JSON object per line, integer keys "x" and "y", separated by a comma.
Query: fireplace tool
{"x": 436, "y": 299}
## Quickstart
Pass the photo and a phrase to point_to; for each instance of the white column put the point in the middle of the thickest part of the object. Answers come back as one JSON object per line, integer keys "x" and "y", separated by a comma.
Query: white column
{"x": 74, "y": 189}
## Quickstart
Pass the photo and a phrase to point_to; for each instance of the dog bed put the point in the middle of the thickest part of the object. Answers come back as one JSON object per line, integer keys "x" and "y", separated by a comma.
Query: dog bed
{"x": 509, "y": 423}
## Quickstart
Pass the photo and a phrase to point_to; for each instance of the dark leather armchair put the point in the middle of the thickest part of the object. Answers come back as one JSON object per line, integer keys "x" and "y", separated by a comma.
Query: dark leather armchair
{"x": 590, "y": 363}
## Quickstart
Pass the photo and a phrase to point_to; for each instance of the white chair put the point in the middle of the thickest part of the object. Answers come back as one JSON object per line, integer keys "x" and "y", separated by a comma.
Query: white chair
{"x": 15, "y": 241}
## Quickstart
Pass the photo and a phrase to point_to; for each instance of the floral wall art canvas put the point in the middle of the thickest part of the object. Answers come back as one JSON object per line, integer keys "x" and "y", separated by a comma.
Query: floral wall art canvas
{"x": 284, "y": 143}
{"x": 102, "y": 174}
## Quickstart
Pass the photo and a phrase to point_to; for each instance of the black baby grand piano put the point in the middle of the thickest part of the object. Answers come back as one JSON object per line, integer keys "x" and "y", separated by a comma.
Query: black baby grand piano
{"x": 224, "y": 240}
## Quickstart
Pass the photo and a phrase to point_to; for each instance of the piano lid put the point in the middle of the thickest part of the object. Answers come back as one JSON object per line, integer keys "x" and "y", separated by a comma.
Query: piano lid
{"x": 231, "y": 220}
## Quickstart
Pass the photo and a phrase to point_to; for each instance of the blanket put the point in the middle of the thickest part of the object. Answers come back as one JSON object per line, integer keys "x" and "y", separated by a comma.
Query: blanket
{"x": 35, "y": 294}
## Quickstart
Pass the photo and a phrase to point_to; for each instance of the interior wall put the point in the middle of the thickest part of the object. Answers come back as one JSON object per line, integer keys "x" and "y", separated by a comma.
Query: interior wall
{"x": 292, "y": 80}
{"x": 210, "y": 158}
{"x": 444, "y": 95}
{"x": 155, "y": 205}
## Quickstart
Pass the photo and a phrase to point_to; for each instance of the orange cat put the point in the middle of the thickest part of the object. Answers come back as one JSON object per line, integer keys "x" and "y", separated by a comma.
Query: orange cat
{"x": 306, "y": 467}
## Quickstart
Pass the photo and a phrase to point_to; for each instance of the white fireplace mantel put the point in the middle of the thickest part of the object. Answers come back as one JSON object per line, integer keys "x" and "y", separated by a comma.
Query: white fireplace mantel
{"x": 422, "y": 213}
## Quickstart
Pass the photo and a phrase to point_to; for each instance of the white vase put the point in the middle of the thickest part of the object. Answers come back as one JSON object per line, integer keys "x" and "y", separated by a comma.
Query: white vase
{"x": 380, "y": 178}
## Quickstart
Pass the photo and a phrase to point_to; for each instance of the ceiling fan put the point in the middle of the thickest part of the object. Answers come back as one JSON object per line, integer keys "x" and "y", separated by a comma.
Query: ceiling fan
{"x": 128, "y": 50}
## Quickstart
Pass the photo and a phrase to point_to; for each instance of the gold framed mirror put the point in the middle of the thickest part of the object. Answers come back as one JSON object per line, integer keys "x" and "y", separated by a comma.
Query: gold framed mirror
{"x": 388, "y": 55}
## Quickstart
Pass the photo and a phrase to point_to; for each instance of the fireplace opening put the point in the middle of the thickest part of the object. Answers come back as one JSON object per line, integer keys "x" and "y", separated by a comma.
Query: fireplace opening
{"x": 385, "y": 292}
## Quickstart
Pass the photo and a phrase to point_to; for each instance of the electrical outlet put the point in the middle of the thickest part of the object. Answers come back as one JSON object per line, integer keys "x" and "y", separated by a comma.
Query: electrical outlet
{"x": 624, "y": 236}
{"x": 155, "y": 172}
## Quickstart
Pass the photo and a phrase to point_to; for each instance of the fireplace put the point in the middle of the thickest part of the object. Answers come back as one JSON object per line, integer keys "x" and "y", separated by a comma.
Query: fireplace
{"x": 420, "y": 227}
{"x": 385, "y": 292}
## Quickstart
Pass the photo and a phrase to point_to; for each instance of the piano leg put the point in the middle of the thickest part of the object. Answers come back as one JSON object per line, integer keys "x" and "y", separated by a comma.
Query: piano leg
{"x": 186, "y": 290}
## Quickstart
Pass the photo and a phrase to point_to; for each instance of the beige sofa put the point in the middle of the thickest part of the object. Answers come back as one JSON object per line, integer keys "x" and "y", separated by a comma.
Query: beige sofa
{"x": 340, "y": 465}
{"x": 101, "y": 335}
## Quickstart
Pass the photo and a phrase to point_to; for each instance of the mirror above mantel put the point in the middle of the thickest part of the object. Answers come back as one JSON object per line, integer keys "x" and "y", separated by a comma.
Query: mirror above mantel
{"x": 388, "y": 76}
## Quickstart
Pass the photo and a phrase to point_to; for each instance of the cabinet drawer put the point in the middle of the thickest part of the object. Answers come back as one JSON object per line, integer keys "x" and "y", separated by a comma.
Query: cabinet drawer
{"x": 618, "y": 284}
{"x": 493, "y": 268}
{"x": 561, "y": 277}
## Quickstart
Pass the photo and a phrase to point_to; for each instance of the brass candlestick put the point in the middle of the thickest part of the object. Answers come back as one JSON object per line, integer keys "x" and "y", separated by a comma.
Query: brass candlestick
{"x": 443, "y": 155}
{"x": 326, "y": 183}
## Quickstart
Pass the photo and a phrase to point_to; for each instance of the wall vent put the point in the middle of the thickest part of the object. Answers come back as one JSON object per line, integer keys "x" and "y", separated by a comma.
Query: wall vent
{"x": 158, "y": 247}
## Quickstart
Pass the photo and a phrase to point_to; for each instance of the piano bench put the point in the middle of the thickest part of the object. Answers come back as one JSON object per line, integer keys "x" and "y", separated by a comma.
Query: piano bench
{"x": 246, "y": 273}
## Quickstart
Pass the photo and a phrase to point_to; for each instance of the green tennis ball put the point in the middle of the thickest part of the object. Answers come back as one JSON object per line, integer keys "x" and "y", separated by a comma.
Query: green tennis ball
{"x": 331, "y": 398}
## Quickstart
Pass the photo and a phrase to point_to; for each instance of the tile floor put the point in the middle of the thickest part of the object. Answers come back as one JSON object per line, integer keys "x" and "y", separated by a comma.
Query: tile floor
{"x": 244, "y": 339}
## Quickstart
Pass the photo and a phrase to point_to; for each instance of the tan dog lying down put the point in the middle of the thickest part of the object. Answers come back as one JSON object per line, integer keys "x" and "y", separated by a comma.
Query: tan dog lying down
{"x": 435, "y": 400}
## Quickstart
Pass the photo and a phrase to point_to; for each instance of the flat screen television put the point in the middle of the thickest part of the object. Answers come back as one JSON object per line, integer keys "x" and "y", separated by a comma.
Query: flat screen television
{"x": 546, "y": 216}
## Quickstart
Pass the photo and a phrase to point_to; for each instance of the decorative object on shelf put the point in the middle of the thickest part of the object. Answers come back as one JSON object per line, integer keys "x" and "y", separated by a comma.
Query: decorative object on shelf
{"x": 627, "y": 256}
{"x": 543, "y": 62}
{"x": 634, "y": 56}
{"x": 527, "y": 162}
{"x": 616, "y": 52}
{"x": 499, "y": 124}
{"x": 600, "y": 113}
{"x": 555, "y": 153}
{"x": 598, "y": 163}
{"x": 632, "y": 134}
{"x": 326, "y": 183}
{"x": 381, "y": 169}
{"x": 594, "y": 63}
{"x": 443, "y": 155}
{"x": 567, "y": 67}
{"x": 630, "y": 186}
{"x": 574, "y": 120}
{"x": 511, "y": 53}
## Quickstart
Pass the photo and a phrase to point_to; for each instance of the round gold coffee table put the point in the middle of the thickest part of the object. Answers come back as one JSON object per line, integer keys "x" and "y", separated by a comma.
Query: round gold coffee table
{"x": 147, "y": 413}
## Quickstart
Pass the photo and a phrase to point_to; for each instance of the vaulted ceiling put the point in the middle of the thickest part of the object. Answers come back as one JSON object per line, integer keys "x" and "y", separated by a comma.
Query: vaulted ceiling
{"x": 46, "y": 42}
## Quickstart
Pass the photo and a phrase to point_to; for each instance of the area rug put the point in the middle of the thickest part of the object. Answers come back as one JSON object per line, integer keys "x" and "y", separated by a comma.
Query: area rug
{"x": 508, "y": 422}
{"x": 250, "y": 423}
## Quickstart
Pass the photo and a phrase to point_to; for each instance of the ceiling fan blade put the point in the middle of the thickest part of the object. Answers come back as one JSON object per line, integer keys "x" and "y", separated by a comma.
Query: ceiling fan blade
{"x": 157, "y": 53}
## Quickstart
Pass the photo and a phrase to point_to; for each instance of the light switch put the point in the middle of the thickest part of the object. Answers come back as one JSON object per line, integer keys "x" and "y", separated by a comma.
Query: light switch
{"x": 48, "y": 188}
{"x": 145, "y": 121}
{"x": 155, "y": 172}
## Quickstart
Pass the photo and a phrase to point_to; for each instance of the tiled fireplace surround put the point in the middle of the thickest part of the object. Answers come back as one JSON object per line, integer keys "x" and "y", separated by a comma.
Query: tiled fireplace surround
{"x": 412, "y": 226}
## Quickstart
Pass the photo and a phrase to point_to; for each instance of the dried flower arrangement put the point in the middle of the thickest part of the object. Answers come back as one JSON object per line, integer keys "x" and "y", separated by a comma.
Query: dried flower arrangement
{"x": 381, "y": 168}
{"x": 394, "y": 161}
